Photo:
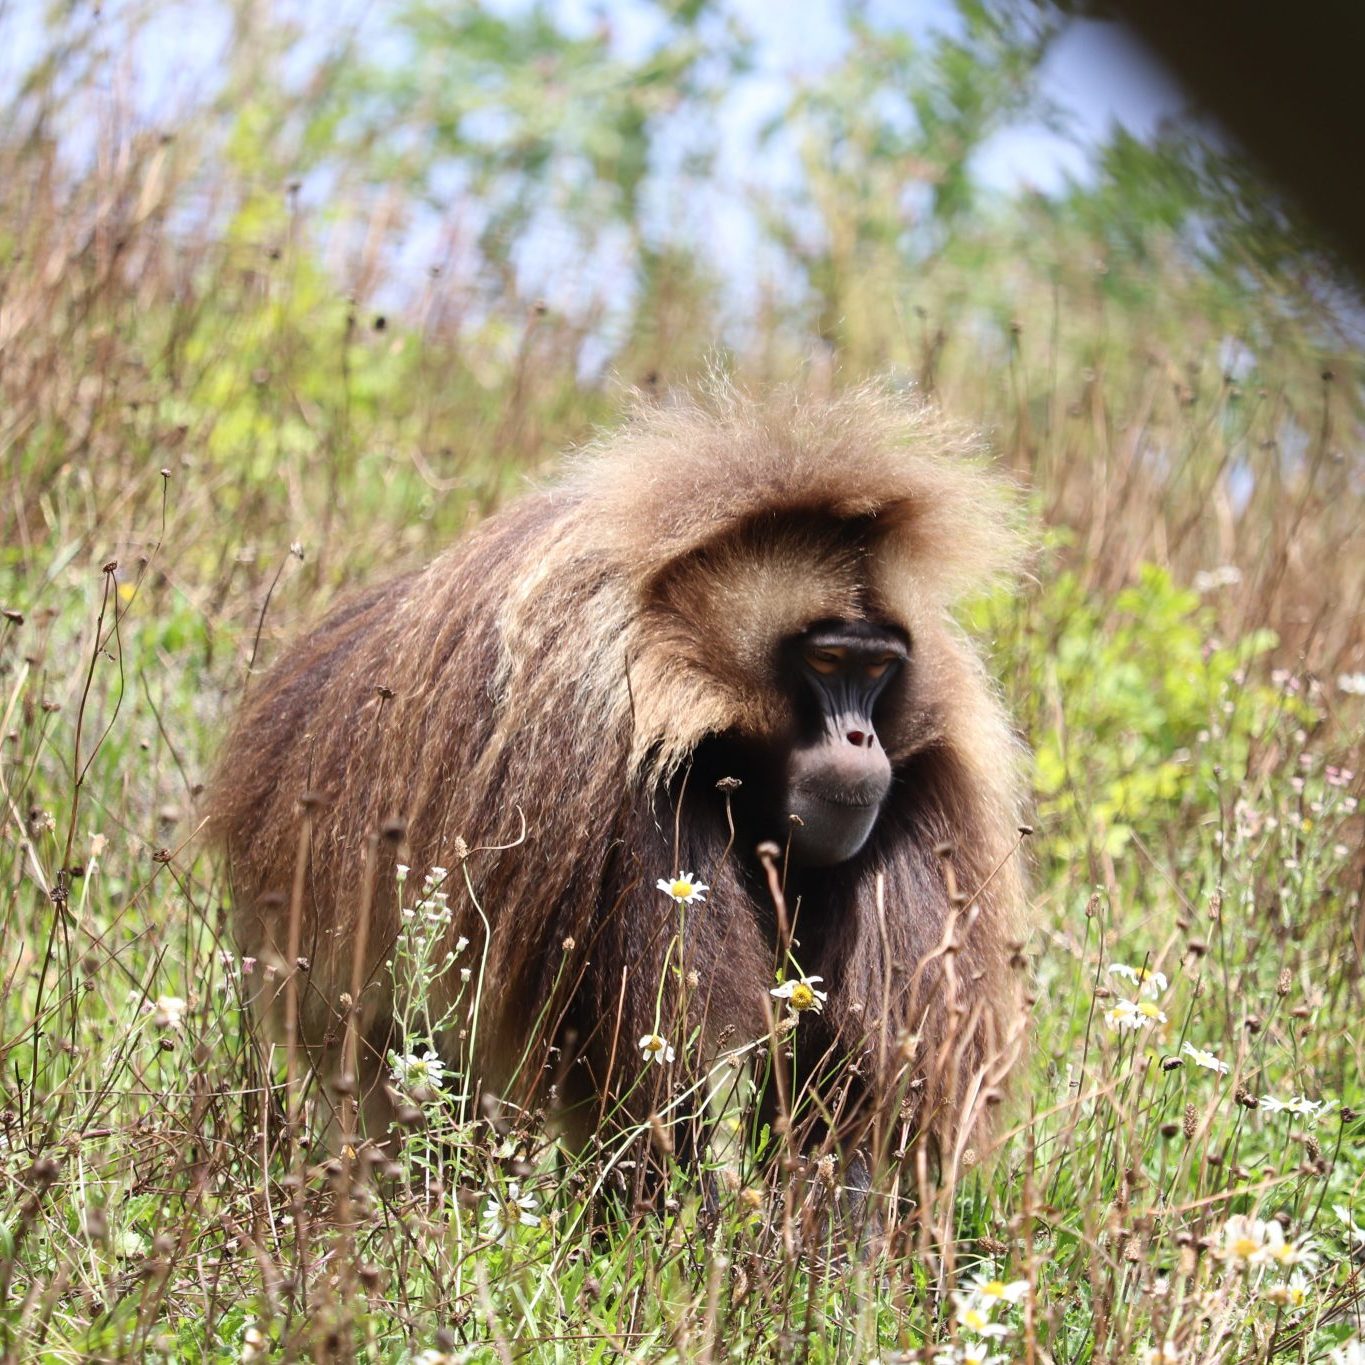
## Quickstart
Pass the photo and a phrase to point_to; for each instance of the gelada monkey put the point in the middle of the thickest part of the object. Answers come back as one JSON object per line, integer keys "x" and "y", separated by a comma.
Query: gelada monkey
{"x": 719, "y": 644}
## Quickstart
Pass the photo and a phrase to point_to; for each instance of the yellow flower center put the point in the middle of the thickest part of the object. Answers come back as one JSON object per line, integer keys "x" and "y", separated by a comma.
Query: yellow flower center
{"x": 993, "y": 1289}
{"x": 1149, "y": 1009}
{"x": 1245, "y": 1247}
{"x": 802, "y": 997}
{"x": 680, "y": 889}
{"x": 655, "y": 1044}
{"x": 974, "y": 1320}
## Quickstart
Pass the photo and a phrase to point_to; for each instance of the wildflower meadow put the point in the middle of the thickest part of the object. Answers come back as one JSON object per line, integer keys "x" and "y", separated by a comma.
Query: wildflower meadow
{"x": 267, "y": 336}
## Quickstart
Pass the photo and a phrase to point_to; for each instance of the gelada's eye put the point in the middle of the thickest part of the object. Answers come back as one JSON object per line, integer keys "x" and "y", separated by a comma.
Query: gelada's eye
{"x": 824, "y": 660}
{"x": 879, "y": 666}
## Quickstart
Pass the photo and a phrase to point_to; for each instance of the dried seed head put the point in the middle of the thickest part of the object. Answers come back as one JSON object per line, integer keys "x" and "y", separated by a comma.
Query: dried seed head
{"x": 1191, "y": 1122}
{"x": 660, "y": 1136}
{"x": 741, "y": 1290}
{"x": 1283, "y": 984}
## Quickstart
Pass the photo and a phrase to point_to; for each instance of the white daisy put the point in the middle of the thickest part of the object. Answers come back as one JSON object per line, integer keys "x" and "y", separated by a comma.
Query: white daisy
{"x": 1203, "y": 1057}
{"x": 987, "y": 1290}
{"x": 503, "y": 1214}
{"x": 1293, "y": 1293}
{"x": 1299, "y": 1105}
{"x": 416, "y": 1071}
{"x": 1133, "y": 1014}
{"x": 654, "y": 1047}
{"x": 1289, "y": 1254}
{"x": 975, "y": 1318}
{"x": 683, "y": 888}
{"x": 1248, "y": 1241}
{"x": 1151, "y": 983}
{"x": 801, "y": 995}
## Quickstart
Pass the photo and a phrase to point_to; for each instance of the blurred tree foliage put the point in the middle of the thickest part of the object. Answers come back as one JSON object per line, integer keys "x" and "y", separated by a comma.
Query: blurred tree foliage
{"x": 438, "y": 165}
{"x": 522, "y": 139}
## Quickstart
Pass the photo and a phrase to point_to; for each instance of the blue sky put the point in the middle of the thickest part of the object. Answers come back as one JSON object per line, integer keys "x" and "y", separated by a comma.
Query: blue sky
{"x": 1094, "y": 74}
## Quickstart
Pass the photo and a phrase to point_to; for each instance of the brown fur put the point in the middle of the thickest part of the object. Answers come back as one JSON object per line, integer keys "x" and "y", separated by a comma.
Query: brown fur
{"x": 567, "y": 662}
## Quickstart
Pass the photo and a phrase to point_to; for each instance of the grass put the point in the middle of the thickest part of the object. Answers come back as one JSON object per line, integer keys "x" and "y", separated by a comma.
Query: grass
{"x": 205, "y": 439}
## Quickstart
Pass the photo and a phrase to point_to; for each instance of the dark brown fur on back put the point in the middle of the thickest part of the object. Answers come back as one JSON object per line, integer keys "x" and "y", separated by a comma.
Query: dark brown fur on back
{"x": 574, "y": 664}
